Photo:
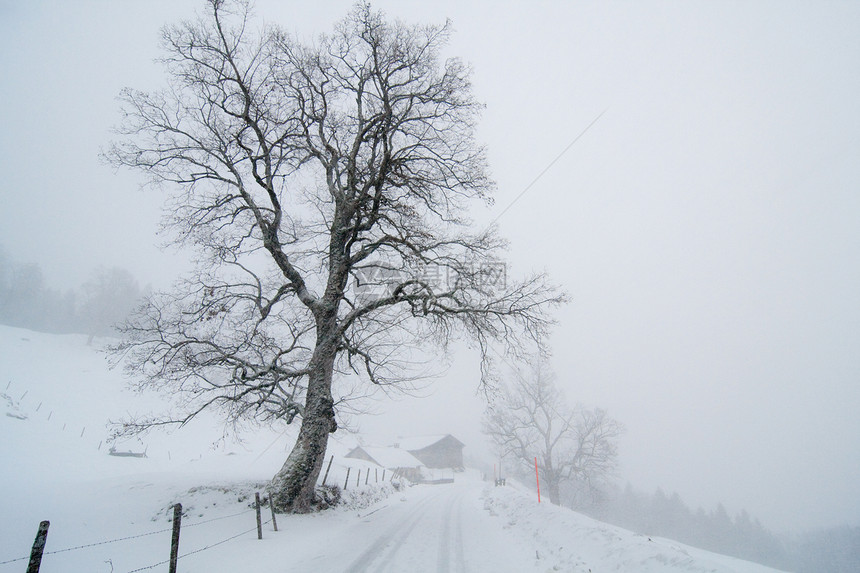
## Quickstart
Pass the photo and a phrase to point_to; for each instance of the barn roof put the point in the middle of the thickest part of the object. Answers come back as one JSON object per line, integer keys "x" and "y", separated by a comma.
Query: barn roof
{"x": 420, "y": 442}
{"x": 390, "y": 457}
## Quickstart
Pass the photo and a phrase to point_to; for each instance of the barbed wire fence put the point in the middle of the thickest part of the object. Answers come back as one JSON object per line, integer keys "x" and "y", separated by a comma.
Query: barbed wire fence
{"x": 40, "y": 540}
{"x": 16, "y": 408}
{"x": 210, "y": 546}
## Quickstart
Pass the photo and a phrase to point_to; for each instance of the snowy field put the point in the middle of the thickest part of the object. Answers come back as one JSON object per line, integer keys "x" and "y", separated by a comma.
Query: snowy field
{"x": 112, "y": 514}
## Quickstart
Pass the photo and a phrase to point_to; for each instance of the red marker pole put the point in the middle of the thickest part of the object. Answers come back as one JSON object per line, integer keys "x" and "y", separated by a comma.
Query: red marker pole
{"x": 537, "y": 480}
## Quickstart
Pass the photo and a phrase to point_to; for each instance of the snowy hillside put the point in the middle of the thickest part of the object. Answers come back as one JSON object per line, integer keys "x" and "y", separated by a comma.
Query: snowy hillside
{"x": 57, "y": 397}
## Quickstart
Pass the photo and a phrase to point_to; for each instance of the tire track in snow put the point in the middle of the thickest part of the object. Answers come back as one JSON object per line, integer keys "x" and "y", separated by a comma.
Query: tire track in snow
{"x": 448, "y": 560}
{"x": 390, "y": 542}
{"x": 459, "y": 553}
{"x": 443, "y": 554}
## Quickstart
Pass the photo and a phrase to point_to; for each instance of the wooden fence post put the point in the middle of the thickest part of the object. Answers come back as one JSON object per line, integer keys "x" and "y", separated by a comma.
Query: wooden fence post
{"x": 376, "y": 474}
{"x": 259, "y": 521}
{"x": 38, "y": 548}
{"x": 358, "y": 478}
{"x": 174, "y": 539}
{"x": 346, "y": 481}
{"x": 367, "y": 476}
{"x": 272, "y": 509}
{"x": 383, "y": 475}
{"x": 328, "y": 467}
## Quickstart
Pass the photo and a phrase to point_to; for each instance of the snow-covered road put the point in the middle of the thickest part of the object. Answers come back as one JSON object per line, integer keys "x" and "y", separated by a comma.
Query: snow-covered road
{"x": 438, "y": 528}
{"x": 471, "y": 526}
{"x": 429, "y": 532}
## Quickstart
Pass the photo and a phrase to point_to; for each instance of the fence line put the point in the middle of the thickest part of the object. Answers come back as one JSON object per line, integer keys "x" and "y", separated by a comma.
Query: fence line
{"x": 184, "y": 525}
{"x": 201, "y": 549}
{"x": 109, "y": 541}
{"x": 256, "y": 509}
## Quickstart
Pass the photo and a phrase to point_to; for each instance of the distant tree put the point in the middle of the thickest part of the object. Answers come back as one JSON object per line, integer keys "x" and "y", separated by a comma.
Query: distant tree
{"x": 624, "y": 508}
{"x": 668, "y": 516}
{"x": 5, "y": 269}
{"x": 5, "y": 280}
{"x": 23, "y": 297}
{"x": 572, "y": 445}
{"x": 325, "y": 187}
{"x": 57, "y": 313}
{"x": 67, "y": 313}
{"x": 831, "y": 550}
{"x": 109, "y": 296}
{"x": 721, "y": 530}
{"x": 26, "y": 302}
{"x": 755, "y": 543}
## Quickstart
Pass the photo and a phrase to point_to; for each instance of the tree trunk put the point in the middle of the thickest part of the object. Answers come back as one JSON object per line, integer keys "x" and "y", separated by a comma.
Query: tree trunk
{"x": 552, "y": 488}
{"x": 293, "y": 486}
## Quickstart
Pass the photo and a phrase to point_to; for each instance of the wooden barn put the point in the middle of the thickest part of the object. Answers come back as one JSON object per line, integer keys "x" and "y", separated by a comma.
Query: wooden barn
{"x": 440, "y": 451}
{"x": 393, "y": 459}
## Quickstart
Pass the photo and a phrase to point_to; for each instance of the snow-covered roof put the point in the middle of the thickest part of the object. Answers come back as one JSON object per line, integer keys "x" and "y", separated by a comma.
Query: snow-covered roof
{"x": 420, "y": 442}
{"x": 392, "y": 457}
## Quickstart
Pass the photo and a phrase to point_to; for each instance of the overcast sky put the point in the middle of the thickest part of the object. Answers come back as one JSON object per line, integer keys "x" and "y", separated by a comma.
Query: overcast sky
{"x": 707, "y": 226}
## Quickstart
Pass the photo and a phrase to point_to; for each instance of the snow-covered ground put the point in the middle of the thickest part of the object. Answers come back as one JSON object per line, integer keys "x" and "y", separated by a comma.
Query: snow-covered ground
{"x": 57, "y": 397}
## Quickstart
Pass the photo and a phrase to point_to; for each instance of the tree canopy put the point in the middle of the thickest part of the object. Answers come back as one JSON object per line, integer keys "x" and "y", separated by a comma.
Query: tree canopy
{"x": 326, "y": 188}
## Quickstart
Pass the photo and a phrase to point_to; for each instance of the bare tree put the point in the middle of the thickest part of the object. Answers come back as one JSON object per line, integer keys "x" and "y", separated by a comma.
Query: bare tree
{"x": 325, "y": 188}
{"x": 572, "y": 445}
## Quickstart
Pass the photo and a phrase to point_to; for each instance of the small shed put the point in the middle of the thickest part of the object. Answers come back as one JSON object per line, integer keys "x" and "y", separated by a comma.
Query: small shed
{"x": 392, "y": 459}
{"x": 439, "y": 451}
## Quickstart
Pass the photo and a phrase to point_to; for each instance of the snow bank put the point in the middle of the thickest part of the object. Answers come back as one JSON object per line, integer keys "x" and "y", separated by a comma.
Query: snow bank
{"x": 568, "y": 541}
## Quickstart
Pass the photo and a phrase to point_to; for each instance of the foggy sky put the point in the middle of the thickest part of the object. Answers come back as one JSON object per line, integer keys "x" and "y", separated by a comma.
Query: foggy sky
{"x": 707, "y": 227}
